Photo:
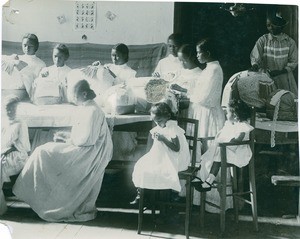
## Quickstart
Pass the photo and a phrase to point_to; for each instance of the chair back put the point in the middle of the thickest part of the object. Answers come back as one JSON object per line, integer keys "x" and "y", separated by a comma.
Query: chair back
{"x": 191, "y": 133}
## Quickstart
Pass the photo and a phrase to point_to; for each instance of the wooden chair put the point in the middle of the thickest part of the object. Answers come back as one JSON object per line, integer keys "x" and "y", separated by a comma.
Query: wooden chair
{"x": 237, "y": 194}
{"x": 186, "y": 175}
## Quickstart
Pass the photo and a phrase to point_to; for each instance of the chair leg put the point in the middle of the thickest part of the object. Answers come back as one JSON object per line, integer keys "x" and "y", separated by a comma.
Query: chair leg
{"x": 188, "y": 208}
{"x": 223, "y": 189}
{"x": 253, "y": 194}
{"x": 235, "y": 190}
{"x": 141, "y": 210}
{"x": 202, "y": 208}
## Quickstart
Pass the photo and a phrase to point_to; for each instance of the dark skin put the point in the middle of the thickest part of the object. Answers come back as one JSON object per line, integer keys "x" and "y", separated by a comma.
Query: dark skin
{"x": 274, "y": 30}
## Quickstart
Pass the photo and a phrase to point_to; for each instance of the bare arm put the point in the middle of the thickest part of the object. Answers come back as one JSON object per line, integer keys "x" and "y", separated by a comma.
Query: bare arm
{"x": 173, "y": 144}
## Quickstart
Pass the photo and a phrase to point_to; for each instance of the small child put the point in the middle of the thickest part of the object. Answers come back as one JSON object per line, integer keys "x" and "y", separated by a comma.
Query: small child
{"x": 169, "y": 154}
{"x": 15, "y": 145}
{"x": 50, "y": 87}
{"x": 236, "y": 129}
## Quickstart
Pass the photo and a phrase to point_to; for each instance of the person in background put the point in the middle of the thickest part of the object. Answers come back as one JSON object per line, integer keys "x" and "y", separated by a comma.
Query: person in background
{"x": 169, "y": 154}
{"x": 168, "y": 67}
{"x": 51, "y": 86}
{"x": 184, "y": 83}
{"x": 15, "y": 145}
{"x": 276, "y": 54}
{"x": 119, "y": 69}
{"x": 61, "y": 180}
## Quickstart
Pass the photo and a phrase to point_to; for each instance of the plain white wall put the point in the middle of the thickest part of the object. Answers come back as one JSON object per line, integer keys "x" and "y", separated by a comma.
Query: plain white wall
{"x": 135, "y": 22}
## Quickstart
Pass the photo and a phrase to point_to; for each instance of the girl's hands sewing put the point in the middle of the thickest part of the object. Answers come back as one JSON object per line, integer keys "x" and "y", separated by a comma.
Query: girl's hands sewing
{"x": 61, "y": 136}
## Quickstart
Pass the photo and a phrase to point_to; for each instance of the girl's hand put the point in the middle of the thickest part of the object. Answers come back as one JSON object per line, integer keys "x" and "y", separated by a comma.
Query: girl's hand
{"x": 277, "y": 72}
{"x": 156, "y": 74}
{"x": 159, "y": 137}
{"x": 96, "y": 63}
{"x": 44, "y": 72}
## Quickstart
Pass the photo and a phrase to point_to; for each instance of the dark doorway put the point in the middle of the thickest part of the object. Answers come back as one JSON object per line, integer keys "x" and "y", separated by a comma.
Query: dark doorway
{"x": 236, "y": 36}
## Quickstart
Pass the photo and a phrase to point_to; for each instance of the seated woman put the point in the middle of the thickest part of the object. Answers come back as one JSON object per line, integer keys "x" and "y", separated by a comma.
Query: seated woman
{"x": 168, "y": 67}
{"x": 15, "y": 145}
{"x": 22, "y": 70}
{"x": 50, "y": 87}
{"x": 61, "y": 180}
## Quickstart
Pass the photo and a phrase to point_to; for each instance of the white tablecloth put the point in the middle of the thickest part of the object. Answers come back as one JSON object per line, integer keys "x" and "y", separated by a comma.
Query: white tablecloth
{"x": 61, "y": 115}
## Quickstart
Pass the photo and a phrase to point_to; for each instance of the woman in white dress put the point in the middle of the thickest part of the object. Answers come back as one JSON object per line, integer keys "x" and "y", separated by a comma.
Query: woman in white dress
{"x": 15, "y": 145}
{"x": 168, "y": 67}
{"x": 61, "y": 180}
{"x": 205, "y": 105}
{"x": 23, "y": 69}
{"x": 169, "y": 154}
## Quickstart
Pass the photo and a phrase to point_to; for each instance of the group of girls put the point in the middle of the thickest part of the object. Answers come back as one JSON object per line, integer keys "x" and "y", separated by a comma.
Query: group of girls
{"x": 158, "y": 168}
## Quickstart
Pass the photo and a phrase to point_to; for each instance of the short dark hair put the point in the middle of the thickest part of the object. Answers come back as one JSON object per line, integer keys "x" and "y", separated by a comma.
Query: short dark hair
{"x": 241, "y": 109}
{"x": 161, "y": 109}
{"x": 123, "y": 49}
{"x": 189, "y": 51}
{"x": 33, "y": 39}
{"x": 208, "y": 45}
{"x": 63, "y": 49}
{"x": 177, "y": 38}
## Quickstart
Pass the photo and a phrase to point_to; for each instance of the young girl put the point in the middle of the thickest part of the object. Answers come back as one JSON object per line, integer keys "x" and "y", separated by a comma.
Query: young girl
{"x": 277, "y": 54}
{"x": 236, "y": 129}
{"x": 15, "y": 145}
{"x": 158, "y": 169}
{"x": 168, "y": 67}
{"x": 50, "y": 87}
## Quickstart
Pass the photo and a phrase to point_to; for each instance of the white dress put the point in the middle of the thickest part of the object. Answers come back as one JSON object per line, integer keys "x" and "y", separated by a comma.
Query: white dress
{"x": 12, "y": 134}
{"x": 30, "y": 72}
{"x": 169, "y": 67}
{"x": 123, "y": 72}
{"x": 52, "y": 88}
{"x": 238, "y": 155}
{"x": 61, "y": 181}
{"x": 158, "y": 169}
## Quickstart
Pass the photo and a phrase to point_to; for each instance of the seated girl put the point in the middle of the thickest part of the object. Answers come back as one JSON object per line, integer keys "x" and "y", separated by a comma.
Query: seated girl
{"x": 169, "y": 154}
{"x": 236, "y": 129}
{"x": 15, "y": 145}
{"x": 50, "y": 87}
{"x": 22, "y": 70}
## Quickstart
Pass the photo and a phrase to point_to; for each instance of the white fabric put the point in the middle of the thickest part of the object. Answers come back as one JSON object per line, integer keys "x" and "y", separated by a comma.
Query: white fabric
{"x": 169, "y": 67}
{"x": 49, "y": 85}
{"x": 61, "y": 181}
{"x": 30, "y": 72}
{"x": 123, "y": 72}
{"x": 14, "y": 134}
{"x": 158, "y": 169}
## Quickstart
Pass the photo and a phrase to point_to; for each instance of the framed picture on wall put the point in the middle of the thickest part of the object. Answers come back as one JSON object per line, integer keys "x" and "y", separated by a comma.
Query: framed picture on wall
{"x": 85, "y": 15}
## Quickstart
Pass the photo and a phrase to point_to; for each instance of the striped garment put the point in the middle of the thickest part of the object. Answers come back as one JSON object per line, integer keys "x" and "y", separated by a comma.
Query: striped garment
{"x": 277, "y": 53}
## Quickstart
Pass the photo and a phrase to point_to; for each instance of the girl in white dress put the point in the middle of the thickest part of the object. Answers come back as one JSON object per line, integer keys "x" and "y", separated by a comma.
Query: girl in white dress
{"x": 169, "y": 154}
{"x": 168, "y": 67}
{"x": 236, "y": 129}
{"x": 15, "y": 145}
{"x": 50, "y": 87}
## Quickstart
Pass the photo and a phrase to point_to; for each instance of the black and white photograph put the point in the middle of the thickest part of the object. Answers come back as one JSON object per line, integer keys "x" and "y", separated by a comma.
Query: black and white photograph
{"x": 149, "y": 119}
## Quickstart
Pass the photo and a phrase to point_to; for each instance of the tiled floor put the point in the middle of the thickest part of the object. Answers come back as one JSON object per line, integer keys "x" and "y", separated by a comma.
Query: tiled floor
{"x": 117, "y": 219}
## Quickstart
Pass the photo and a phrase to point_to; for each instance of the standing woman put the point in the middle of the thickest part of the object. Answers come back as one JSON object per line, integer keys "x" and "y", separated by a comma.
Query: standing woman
{"x": 277, "y": 54}
{"x": 206, "y": 97}
{"x": 61, "y": 180}
{"x": 206, "y": 107}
